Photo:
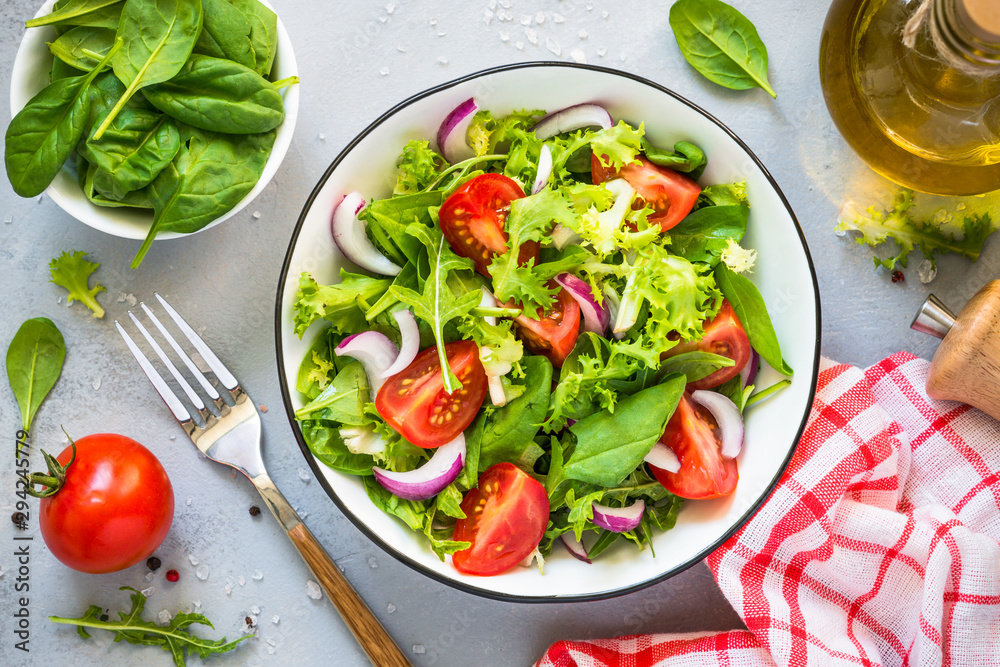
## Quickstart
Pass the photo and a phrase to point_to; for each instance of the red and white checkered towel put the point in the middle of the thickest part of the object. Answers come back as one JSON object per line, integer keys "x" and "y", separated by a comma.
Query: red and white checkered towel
{"x": 879, "y": 546}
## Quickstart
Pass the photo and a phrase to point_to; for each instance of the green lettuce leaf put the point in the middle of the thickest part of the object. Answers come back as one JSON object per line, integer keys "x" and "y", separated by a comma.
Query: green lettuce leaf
{"x": 72, "y": 271}
{"x": 343, "y": 304}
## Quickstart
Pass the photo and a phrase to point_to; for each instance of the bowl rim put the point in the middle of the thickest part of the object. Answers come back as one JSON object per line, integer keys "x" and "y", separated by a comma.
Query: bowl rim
{"x": 403, "y": 557}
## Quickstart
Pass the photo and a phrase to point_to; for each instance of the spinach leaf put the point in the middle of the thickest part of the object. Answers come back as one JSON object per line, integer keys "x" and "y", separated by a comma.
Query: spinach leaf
{"x": 225, "y": 33}
{"x": 609, "y": 446}
{"x": 324, "y": 440}
{"x": 695, "y": 365}
{"x": 686, "y": 157}
{"x": 209, "y": 176}
{"x": 343, "y": 400}
{"x": 437, "y": 304}
{"x": 750, "y": 308}
{"x": 138, "y": 145}
{"x": 83, "y": 47}
{"x": 98, "y": 13}
{"x": 263, "y": 33}
{"x": 705, "y": 233}
{"x": 43, "y": 134}
{"x": 34, "y": 360}
{"x": 158, "y": 36}
{"x": 509, "y": 430}
{"x": 61, "y": 70}
{"x": 721, "y": 43}
{"x": 219, "y": 95}
{"x": 94, "y": 183}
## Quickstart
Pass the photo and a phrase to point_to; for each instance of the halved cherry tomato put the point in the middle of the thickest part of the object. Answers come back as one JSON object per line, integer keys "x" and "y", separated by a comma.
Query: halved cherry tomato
{"x": 505, "y": 520}
{"x": 671, "y": 195}
{"x": 555, "y": 334}
{"x": 473, "y": 217}
{"x": 725, "y": 336}
{"x": 693, "y": 434}
{"x": 415, "y": 403}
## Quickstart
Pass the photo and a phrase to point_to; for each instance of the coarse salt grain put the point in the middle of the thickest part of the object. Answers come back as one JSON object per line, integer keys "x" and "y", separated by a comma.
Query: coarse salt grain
{"x": 303, "y": 475}
{"x": 384, "y": 71}
{"x": 148, "y": 591}
{"x": 553, "y": 46}
{"x": 419, "y": 649}
{"x": 257, "y": 575}
{"x": 578, "y": 56}
{"x": 163, "y": 618}
{"x": 275, "y": 619}
{"x": 390, "y": 608}
{"x": 583, "y": 34}
{"x": 313, "y": 590}
{"x": 192, "y": 559}
{"x": 241, "y": 580}
{"x": 255, "y": 610}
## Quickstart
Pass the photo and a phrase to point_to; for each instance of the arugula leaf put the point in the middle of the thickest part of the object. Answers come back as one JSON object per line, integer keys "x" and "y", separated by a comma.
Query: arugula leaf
{"x": 343, "y": 304}
{"x": 72, "y": 271}
{"x": 34, "y": 361}
{"x": 721, "y": 43}
{"x": 898, "y": 224}
{"x": 174, "y": 638}
{"x": 704, "y": 234}
{"x": 610, "y": 446}
{"x": 419, "y": 166}
{"x": 437, "y": 304}
{"x": 530, "y": 219}
{"x": 750, "y": 308}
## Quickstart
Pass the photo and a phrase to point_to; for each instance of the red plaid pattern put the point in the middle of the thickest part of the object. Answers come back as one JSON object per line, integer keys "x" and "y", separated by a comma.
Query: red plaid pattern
{"x": 879, "y": 546}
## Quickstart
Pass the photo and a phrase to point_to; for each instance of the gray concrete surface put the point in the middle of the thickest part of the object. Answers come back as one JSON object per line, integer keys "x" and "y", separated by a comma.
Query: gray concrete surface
{"x": 356, "y": 60}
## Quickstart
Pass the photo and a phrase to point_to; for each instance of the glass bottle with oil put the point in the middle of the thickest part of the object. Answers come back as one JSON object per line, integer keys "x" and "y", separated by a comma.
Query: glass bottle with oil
{"x": 914, "y": 87}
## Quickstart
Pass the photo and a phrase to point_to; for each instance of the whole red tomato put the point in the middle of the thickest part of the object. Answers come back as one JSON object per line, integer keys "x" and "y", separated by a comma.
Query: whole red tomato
{"x": 113, "y": 509}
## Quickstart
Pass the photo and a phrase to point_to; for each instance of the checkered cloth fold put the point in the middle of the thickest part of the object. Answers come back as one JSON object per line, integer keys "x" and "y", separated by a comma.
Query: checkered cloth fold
{"x": 879, "y": 546}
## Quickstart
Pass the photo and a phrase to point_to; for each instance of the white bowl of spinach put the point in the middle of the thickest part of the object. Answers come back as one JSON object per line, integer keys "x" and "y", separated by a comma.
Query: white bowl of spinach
{"x": 157, "y": 133}
{"x": 783, "y": 274}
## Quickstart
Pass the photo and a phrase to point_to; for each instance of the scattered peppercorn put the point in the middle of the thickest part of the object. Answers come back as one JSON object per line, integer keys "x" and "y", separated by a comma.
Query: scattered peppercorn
{"x": 254, "y": 510}
{"x": 104, "y": 617}
{"x": 20, "y": 520}
{"x": 153, "y": 563}
{"x": 248, "y": 621}
{"x": 172, "y": 575}
{"x": 898, "y": 277}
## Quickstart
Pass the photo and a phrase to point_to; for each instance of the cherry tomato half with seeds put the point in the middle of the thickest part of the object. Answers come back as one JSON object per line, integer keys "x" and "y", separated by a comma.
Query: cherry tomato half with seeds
{"x": 415, "y": 403}
{"x": 725, "y": 336}
{"x": 670, "y": 194}
{"x": 555, "y": 334}
{"x": 505, "y": 519}
{"x": 114, "y": 508}
{"x": 473, "y": 218}
{"x": 693, "y": 434}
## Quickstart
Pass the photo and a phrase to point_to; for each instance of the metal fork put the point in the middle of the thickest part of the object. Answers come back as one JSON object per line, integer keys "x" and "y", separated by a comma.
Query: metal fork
{"x": 229, "y": 432}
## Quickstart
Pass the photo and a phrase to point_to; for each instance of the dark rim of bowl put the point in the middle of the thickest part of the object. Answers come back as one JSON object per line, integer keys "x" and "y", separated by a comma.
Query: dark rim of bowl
{"x": 402, "y": 557}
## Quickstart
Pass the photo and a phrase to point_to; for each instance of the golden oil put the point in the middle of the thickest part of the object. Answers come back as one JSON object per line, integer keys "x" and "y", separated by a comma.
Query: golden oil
{"x": 914, "y": 88}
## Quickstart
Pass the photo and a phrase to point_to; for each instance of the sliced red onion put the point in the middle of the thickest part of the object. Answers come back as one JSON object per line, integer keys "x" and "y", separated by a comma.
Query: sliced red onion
{"x": 497, "y": 395}
{"x": 564, "y": 236}
{"x": 662, "y": 457}
{"x": 487, "y": 300}
{"x": 595, "y": 316}
{"x": 749, "y": 372}
{"x": 349, "y": 235}
{"x": 575, "y": 547}
{"x": 727, "y": 415}
{"x": 572, "y": 118}
{"x": 619, "y": 519}
{"x": 429, "y": 479}
{"x": 613, "y": 302}
{"x": 544, "y": 170}
{"x": 451, "y": 137}
{"x": 409, "y": 343}
{"x": 375, "y": 352}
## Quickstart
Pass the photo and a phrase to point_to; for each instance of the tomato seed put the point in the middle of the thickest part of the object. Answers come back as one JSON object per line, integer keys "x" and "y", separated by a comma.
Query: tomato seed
{"x": 153, "y": 563}
{"x": 172, "y": 575}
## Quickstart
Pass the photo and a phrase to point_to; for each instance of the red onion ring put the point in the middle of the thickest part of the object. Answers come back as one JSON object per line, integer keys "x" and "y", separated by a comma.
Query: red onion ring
{"x": 572, "y": 118}
{"x": 662, "y": 457}
{"x": 727, "y": 415}
{"x": 575, "y": 547}
{"x": 544, "y": 170}
{"x": 429, "y": 479}
{"x": 375, "y": 352}
{"x": 409, "y": 342}
{"x": 595, "y": 317}
{"x": 349, "y": 235}
{"x": 451, "y": 136}
{"x": 619, "y": 519}
{"x": 749, "y": 372}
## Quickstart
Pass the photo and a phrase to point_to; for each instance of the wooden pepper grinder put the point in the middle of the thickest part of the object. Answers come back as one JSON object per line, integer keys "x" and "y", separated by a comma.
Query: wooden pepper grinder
{"x": 966, "y": 366}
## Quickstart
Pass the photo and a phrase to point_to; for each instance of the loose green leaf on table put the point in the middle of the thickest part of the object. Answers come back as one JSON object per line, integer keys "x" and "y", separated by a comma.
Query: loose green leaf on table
{"x": 721, "y": 43}
{"x": 158, "y": 36}
{"x": 749, "y": 305}
{"x": 219, "y": 95}
{"x": 43, "y": 134}
{"x": 72, "y": 271}
{"x": 81, "y": 13}
{"x": 174, "y": 638}
{"x": 34, "y": 360}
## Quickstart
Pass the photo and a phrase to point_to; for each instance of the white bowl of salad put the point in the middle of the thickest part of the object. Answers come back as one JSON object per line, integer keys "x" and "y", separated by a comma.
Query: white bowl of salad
{"x": 537, "y": 330}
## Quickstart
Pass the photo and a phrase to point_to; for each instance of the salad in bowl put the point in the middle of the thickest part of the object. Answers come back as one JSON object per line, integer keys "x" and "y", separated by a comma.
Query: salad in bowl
{"x": 543, "y": 342}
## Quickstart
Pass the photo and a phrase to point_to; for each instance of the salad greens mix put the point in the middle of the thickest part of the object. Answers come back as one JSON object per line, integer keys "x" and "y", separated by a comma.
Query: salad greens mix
{"x": 582, "y": 426}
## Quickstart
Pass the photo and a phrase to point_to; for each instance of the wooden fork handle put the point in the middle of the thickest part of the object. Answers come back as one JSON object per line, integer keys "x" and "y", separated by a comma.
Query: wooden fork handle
{"x": 376, "y": 642}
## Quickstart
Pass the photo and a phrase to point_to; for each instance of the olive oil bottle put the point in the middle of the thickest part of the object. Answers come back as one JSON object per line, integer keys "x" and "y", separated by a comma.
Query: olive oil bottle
{"x": 914, "y": 87}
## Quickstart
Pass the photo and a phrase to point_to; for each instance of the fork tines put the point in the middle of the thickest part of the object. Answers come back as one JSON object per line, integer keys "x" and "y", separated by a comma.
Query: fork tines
{"x": 175, "y": 405}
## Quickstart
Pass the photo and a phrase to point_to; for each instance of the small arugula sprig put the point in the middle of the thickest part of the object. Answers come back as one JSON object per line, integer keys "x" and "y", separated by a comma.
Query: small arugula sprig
{"x": 72, "y": 271}
{"x": 174, "y": 637}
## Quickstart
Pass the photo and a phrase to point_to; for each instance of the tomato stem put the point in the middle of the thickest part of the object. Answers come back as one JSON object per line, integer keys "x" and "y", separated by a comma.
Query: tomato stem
{"x": 52, "y": 481}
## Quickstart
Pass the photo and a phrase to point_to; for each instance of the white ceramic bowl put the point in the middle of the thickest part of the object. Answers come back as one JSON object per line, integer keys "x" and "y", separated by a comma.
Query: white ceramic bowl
{"x": 31, "y": 74}
{"x": 784, "y": 274}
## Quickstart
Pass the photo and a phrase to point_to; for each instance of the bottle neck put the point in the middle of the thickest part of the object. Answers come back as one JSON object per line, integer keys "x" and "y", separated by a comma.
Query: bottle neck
{"x": 969, "y": 30}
